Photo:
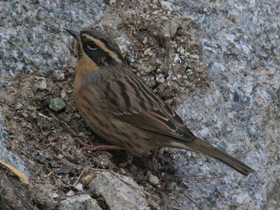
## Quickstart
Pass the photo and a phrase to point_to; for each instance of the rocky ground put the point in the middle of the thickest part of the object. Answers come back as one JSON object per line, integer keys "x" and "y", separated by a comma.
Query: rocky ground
{"x": 216, "y": 63}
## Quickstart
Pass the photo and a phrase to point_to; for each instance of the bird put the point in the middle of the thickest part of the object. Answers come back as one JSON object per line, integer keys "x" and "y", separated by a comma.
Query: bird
{"x": 119, "y": 107}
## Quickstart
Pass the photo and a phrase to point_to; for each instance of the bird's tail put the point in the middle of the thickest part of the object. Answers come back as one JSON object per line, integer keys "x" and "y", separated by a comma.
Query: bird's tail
{"x": 201, "y": 146}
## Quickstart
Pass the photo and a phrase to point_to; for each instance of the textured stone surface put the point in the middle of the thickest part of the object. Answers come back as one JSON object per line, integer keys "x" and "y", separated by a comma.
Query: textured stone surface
{"x": 57, "y": 104}
{"x": 240, "y": 111}
{"x": 120, "y": 192}
{"x": 84, "y": 202}
{"x": 273, "y": 201}
{"x": 10, "y": 198}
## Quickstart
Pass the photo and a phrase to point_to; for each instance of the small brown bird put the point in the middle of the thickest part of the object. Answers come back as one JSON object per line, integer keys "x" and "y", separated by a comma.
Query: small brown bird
{"x": 120, "y": 108}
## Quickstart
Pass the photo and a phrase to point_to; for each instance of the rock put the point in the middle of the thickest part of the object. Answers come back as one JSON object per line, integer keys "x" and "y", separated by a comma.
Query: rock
{"x": 57, "y": 104}
{"x": 160, "y": 78}
{"x": 274, "y": 197}
{"x": 170, "y": 27}
{"x": 79, "y": 187}
{"x": 58, "y": 75}
{"x": 120, "y": 192}
{"x": 19, "y": 106}
{"x": 84, "y": 202}
{"x": 153, "y": 179}
{"x": 45, "y": 194}
{"x": 166, "y": 5}
{"x": 10, "y": 198}
{"x": 55, "y": 195}
{"x": 70, "y": 193}
{"x": 63, "y": 94}
{"x": 40, "y": 83}
{"x": 4, "y": 96}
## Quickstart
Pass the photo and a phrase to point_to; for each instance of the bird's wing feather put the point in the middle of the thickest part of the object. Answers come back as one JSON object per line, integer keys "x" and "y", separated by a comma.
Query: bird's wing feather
{"x": 131, "y": 101}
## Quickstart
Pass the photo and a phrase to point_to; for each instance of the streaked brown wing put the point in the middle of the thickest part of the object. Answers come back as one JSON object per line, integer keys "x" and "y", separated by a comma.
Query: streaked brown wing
{"x": 133, "y": 102}
{"x": 151, "y": 121}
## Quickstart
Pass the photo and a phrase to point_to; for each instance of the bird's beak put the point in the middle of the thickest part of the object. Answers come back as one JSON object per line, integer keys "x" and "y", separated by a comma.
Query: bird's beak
{"x": 75, "y": 34}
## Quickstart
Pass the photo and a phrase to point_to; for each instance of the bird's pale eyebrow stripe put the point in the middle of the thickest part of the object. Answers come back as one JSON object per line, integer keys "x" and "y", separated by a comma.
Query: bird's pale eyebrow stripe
{"x": 102, "y": 46}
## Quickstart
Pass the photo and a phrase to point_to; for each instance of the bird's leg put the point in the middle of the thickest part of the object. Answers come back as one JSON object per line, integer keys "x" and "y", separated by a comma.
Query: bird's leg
{"x": 152, "y": 159}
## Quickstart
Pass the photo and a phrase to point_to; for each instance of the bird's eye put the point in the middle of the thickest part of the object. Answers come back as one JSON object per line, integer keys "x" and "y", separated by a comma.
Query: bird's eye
{"x": 91, "y": 46}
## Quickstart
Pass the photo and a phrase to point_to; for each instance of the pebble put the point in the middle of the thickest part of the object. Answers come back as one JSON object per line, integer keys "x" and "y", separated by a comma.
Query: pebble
{"x": 160, "y": 78}
{"x": 55, "y": 195}
{"x": 19, "y": 106}
{"x": 153, "y": 179}
{"x": 57, "y": 104}
{"x": 79, "y": 187}
{"x": 70, "y": 193}
{"x": 166, "y": 5}
{"x": 40, "y": 83}
{"x": 58, "y": 75}
{"x": 63, "y": 94}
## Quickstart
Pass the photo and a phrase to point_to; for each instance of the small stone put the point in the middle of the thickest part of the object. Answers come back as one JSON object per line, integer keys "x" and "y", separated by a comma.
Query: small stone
{"x": 177, "y": 58}
{"x": 82, "y": 134}
{"x": 122, "y": 171}
{"x": 118, "y": 191}
{"x": 164, "y": 18}
{"x": 79, "y": 202}
{"x": 57, "y": 104}
{"x": 40, "y": 83}
{"x": 58, "y": 75}
{"x": 79, "y": 187}
{"x": 55, "y": 195}
{"x": 70, "y": 193}
{"x": 166, "y": 5}
{"x": 60, "y": 156}
{"x": 133, "y": 169}
{"x": 147, "y": 51}
{"x": 160, "y": 78}
{"x": 181, "y": 50}
{"x": 4, "y": 96}
{"x": 145, "y": 40}
{"x": 63, "y": 94}
{"x": 77, "y": 115}
{"x": 230, "y": 115}
{"x": 153, "y": 179}
{"x": 61, "y": 169}
{"x": 24, "y": 115}
{"x": 19, "y": 106}
{"x": 158, "y": 61}
{"x": 123, "y": 164}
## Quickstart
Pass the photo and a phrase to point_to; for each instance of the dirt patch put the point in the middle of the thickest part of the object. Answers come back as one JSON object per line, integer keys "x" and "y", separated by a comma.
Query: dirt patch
{"x": 55, "y": 146}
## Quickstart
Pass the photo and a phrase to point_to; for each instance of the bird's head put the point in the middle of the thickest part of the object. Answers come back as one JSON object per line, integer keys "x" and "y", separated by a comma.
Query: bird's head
{"x": 93, "y": 47}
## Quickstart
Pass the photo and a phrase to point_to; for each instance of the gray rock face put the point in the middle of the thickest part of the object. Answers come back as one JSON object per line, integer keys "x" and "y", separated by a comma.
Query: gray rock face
{"x": 240, "y": 111}
{"x": 30, "y": 32}
{"x": 120, "y": 192}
